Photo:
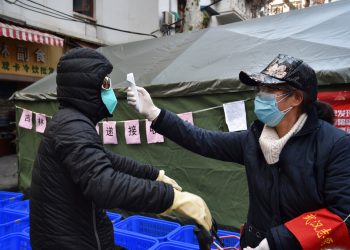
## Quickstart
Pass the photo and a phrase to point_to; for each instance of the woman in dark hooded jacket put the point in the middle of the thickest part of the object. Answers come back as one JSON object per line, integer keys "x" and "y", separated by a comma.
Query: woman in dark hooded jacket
{"x": 297, "y": 165}
{"x": 75, "y": 178}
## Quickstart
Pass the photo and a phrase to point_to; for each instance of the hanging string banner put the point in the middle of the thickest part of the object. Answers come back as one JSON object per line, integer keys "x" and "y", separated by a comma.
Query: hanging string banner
{"x": 235, "y": 116}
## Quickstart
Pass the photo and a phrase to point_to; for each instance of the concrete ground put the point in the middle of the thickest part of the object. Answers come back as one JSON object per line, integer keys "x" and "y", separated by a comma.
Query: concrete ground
{"x": 8, "y": 172}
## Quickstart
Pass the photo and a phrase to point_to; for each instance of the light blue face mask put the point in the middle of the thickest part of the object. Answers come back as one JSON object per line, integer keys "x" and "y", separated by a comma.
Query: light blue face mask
{"x": 109, "y": 99}
{"x": 107, "y": 94}
{"x": 266, "y": 108}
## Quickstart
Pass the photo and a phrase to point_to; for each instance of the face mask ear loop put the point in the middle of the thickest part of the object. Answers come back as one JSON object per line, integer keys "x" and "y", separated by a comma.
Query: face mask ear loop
{"x": 287, "y": 110}
{"x": 285, "y": 96}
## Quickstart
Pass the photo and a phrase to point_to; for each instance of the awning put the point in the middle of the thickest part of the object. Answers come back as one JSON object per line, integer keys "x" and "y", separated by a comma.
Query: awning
{"x": 29, "y": 35}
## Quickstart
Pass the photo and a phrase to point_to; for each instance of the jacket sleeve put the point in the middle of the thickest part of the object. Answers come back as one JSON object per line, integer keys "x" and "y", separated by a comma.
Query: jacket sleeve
{"x": 336, "y": 193}
{"x": 281, "y": 238}
{"x": 337, "y": 179}
{"x": 80, "y": 151}
{"x": 225, "y": 146}
{"x": 132, "y": 167}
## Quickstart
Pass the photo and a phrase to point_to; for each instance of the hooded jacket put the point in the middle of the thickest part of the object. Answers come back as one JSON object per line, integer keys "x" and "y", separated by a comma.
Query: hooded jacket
{"x": 312, "y": 173}
{"x": 74, "y": 177}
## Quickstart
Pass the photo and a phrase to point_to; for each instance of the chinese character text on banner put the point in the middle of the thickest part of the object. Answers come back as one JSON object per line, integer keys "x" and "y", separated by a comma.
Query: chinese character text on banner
{"x": 339, "y": 100}
{"x": 132, "y": 132}
{"x": 40, "y": 122}
{"x": 152, "y": 136}
{"x": 109, "y": 133}
{"x": 26, "y": 119}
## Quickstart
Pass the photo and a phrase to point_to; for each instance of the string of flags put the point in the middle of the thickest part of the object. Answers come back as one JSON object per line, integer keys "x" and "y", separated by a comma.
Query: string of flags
{"x": 235, "y": 116}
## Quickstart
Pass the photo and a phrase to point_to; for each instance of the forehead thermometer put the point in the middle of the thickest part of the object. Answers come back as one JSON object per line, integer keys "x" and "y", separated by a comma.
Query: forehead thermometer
{"x": 131, "y": 81}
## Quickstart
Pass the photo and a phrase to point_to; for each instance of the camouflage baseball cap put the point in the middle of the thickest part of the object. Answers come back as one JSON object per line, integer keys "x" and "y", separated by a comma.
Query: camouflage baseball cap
{"x": 285, "y": 69}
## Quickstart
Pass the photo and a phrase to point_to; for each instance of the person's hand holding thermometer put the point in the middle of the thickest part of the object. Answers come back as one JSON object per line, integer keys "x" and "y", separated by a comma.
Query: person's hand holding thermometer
{"x": 141, "y": 100}
{"x": 131, "y": 80}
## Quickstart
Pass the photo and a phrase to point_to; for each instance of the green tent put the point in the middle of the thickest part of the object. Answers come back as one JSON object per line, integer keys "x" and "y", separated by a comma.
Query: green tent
{"x": 198, "y": 72}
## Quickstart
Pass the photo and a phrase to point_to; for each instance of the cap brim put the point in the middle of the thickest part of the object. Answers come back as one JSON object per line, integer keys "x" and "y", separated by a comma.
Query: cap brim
{"x": 258, "y": 79}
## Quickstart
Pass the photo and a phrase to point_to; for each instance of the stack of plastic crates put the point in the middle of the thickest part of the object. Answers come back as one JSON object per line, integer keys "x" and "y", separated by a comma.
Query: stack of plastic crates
{"x": 7, "y": 198}
{"x": 158, "y": 229}
{"x": 132, "y": 241}
{"x": 166, "y": 235}
{"x": 172, "y": 245}
{"x": 133, "y": 233}
{"x": 186, "y": 235}
{"x": 13, "y": 220}
{"x": 21, "y": 207}
{"x": 15, "y": 242}
{"x": 115, "y": 218}
{"x": 143, "y": 228}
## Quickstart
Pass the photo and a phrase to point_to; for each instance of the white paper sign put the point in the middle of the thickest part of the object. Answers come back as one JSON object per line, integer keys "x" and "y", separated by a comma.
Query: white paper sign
{"x": 109, "y": 132}
{"x": 26, "y": 119}
{"x": 152, "y": 136}
{"x": 132, "y": 132}
{"x": 235, "y": 116}
{"x": 187, "y": 117}
{"x": 40, "y": 122}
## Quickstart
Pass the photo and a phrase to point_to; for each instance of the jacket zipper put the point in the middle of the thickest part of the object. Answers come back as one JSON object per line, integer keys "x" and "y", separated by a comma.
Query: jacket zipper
{"x": 95, "y": 228}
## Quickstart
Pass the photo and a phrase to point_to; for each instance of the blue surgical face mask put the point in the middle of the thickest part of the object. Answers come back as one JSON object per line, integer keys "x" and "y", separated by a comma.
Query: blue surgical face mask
{"x": 266, "y": 108}
{"x": 107, "y": 94}
{"x": 109, "y": 99}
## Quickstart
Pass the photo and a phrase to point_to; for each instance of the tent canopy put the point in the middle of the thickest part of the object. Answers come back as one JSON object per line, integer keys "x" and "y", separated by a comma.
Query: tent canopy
{"x": 209, "y": 61}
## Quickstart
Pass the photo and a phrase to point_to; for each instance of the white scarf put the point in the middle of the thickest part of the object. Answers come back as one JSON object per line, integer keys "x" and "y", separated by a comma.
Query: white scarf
{"x": 270, "y": 143}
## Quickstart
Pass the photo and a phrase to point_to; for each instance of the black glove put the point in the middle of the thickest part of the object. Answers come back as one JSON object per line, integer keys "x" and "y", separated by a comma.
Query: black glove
{"x": 206, "y": 238}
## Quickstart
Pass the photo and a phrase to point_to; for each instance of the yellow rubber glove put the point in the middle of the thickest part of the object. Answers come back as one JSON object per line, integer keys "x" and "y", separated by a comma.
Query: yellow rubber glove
{"x": 163, "y": 178}
{"x": 192, "y": 206}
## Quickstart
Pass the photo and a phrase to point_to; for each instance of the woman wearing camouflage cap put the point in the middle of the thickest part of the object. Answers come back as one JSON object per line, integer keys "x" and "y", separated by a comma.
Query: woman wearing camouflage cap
{"x": 298, "y": 165}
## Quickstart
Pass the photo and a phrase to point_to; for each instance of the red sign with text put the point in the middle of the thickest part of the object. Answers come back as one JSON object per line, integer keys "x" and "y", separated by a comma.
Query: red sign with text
{"x": 340, "y": 101}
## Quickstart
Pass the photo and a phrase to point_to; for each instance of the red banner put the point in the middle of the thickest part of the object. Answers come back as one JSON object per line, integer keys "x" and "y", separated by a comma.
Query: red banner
{"x": 320, "y": 229}
{"x": 340, "y": 101}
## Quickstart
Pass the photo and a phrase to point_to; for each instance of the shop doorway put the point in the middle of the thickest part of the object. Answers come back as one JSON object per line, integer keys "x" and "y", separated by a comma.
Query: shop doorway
{"x": 8, "y": 115}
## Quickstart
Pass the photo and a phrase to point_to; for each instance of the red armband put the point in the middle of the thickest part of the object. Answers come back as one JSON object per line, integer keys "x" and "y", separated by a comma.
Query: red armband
{"x": 320, "y": 229}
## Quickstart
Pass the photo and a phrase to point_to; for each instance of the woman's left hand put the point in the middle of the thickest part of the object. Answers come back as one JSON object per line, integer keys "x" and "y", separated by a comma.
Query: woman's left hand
{"x": 264, "y": 245}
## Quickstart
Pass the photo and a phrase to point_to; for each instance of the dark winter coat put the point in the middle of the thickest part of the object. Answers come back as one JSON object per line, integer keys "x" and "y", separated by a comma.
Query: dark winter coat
{"x": 313, "y": 172}
{"x": 74, "y": 177}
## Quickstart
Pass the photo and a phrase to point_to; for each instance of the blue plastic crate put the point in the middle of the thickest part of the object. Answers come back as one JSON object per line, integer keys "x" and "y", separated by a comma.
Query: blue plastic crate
{"x": 11, "y": 222}
{"x": 18, "y": 207}
{"x": 156, "y": 228}
{"x": 115, "y": 218}
{"x": 174, "y": 246}
{"x": 15, "y": 242}
{"x": 186, "y": 234}
{"x": 26, "y": 231}
{"x": 7, "y": 198}
{"x": 133, "y": 241}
